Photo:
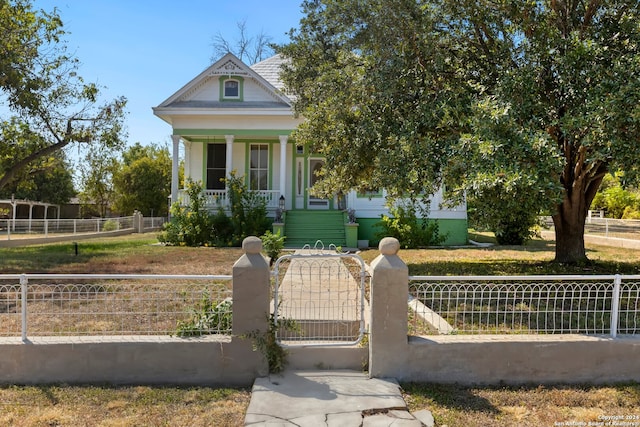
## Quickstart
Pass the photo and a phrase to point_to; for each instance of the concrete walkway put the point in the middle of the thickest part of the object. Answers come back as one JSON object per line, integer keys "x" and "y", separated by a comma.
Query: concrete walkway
{"x": 330, "y": 398}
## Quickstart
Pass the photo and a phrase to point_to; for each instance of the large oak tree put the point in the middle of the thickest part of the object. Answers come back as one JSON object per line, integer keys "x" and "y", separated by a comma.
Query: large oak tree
{"x": 44, "y": 104}
{"x": 518, "y": 102}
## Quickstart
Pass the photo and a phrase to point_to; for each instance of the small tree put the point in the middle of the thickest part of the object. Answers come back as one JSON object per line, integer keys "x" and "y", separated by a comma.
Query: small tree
{"x": 142, "y": 180}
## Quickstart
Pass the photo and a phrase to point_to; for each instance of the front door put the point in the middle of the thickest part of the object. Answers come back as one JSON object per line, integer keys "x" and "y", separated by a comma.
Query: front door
{"x": 315, "y": 166}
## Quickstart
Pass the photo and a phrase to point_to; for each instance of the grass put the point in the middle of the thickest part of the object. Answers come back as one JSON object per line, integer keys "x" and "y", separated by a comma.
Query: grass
{"x": 527, "y": 406}
{"x": 64, "y": 405}
{"x": 451, "y": 405}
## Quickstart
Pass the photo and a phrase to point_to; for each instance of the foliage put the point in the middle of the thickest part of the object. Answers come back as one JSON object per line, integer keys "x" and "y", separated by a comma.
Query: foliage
{"x": 195, "y": 226}
{"x": 249, "y": 49}
{"x": 190, "y": 225}
{"x": 272, "y": 244}
{"x": 110, "y": 225}
{"x": 617, "y": 201}
{"x": 96, "y": 180}
{"x": 394, "y": 92}
{"x": 210, "y": 317}
{"x": 48, "y": 105}
{"x": 47, "y": 179}
{"x": 143, "y": 180}
{"x": 411, "y": 231}
{"x": 248, "y": 210}
{"x": 266, "y": 342}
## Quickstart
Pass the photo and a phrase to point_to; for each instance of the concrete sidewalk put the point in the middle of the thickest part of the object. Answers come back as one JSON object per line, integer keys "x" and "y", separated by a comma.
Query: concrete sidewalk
{"x": 330, "y": 398}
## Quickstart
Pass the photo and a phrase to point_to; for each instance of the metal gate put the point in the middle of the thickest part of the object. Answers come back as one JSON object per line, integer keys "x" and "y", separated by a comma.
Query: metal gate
{"x": 319, "y": 298}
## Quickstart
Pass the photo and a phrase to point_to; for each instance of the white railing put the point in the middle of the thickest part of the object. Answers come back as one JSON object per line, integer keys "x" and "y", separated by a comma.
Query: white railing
{"x": 47, "y": 227}
{"x": 218, "y": 198}
{"x": 102, "y": 305}
{"x": 525, "y": 305}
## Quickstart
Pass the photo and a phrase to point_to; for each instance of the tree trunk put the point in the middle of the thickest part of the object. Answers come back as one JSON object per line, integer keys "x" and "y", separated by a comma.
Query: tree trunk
{"x": 569, "y": 225}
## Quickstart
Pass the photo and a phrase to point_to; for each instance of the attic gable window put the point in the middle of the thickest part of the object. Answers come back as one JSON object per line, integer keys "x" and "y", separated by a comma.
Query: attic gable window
{"x": 231, "y": 88}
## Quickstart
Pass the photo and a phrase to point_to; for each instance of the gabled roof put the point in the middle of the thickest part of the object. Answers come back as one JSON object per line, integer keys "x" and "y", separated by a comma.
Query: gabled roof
{"x": 229, "y": 64}
{"x": 270, "y": 69}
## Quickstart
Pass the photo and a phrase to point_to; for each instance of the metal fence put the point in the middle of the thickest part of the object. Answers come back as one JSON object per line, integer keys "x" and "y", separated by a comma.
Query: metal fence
{"x": 525, "y": 305}
{"x": 606, "y": 227}
{"x": 87, "y": 304}
{"x": 319, "y": 298}
{"x": 25, "y": 228}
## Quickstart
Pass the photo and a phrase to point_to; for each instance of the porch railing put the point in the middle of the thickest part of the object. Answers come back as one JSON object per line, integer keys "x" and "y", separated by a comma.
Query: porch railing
{"x": 219, "y": 198}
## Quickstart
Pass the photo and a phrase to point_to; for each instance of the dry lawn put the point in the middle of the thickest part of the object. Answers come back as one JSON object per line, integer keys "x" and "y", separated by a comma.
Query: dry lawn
{"x": 451, "y": 405}
{"x": 61, "y": 405}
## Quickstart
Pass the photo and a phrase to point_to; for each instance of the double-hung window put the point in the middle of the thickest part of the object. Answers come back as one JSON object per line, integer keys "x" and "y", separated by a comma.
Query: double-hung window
{"x": 216, "y": 166}
{"x": 259, "y": 167}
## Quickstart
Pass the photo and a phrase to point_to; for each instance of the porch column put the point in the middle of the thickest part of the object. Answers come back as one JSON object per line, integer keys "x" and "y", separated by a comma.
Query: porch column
{"x": 174, "y": 168}
{"x": 187, "y": 158}
{"x": 283, "y": 163}
{"x": 229, "y": 165}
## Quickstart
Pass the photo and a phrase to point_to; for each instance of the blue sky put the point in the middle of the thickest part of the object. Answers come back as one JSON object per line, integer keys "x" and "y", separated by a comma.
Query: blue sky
{"x": 146, "y": 50}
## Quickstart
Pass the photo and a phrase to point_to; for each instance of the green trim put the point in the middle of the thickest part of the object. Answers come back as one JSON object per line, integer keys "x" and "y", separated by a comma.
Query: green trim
{"x": 186, "y": 133}
{"x": 240, "y": 80}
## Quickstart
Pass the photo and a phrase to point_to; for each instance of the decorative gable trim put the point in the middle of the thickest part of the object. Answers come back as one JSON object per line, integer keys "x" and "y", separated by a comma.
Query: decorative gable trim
{"x": 230, "y": 67}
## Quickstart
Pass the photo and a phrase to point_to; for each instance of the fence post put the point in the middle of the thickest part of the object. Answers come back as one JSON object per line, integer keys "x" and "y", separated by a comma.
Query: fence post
{"x": 251, "y": 297}
{"x": 23, "y": 303}
{"x": 8, "y": 230}
{"x": 388, "y": 342}
{"x": 615, "y": 305}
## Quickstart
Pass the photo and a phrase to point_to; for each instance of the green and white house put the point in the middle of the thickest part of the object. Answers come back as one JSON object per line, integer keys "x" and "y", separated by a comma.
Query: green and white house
{"x": 235, "y": 117}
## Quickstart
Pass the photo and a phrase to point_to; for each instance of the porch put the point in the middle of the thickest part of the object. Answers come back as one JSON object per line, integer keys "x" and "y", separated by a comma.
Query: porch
{"x": 215, "y": 199}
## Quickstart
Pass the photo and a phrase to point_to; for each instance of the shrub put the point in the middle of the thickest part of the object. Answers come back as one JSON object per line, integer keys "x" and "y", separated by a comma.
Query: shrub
{"x": 210, "y": 317}
{"x": 248, "y": 210}
{"x": 190, "y": 225}
{"x": 194, "y": 225}
{"x": 272, "y": 245}
{"x": 411, "y": 231}
{"x": 110, "y": 225}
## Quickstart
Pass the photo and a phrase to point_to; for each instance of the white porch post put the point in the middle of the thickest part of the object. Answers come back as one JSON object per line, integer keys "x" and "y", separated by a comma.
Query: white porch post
{"x": 283, "y": 163}
{"x": 187, "y": 158}
{"x": 229, "y": 164}
{"x": 174, "y": 168}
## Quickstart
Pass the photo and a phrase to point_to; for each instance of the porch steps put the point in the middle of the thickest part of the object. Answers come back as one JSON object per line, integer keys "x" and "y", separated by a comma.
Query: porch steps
{"x": 307, "y": 227}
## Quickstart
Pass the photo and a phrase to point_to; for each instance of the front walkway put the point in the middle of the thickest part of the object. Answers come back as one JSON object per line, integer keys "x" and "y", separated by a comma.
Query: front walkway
{"x": 330, "y": 398}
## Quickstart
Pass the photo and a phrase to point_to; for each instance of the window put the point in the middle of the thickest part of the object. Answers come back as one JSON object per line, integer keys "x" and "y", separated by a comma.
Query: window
{"x": 216, "y": 166}
{"x": 231, "y": 89}
{"x": 259, "y": 167}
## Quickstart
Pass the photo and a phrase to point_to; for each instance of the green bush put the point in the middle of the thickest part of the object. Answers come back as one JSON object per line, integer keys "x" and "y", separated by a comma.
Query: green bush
{"x": 194, "y": 225}
{"x": 190, "y": 225}
{"x": 411, "y": 231}
{"x": 272, "y": 244}
{"x": 248, "y": 210}
{"x": 110, "y": 225}
{"x": 210, "y": 317}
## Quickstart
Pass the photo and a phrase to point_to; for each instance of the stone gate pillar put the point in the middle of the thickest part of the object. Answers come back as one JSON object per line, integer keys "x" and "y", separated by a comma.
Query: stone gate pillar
{"x": 388, "y": 339}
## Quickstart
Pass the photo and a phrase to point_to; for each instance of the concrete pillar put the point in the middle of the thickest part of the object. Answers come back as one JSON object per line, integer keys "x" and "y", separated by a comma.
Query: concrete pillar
{"x": 251, "y": 297}
{"x": 388, "y": 339}
{"x": 174, "y": 168}
{"x": 138, "y": 222}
